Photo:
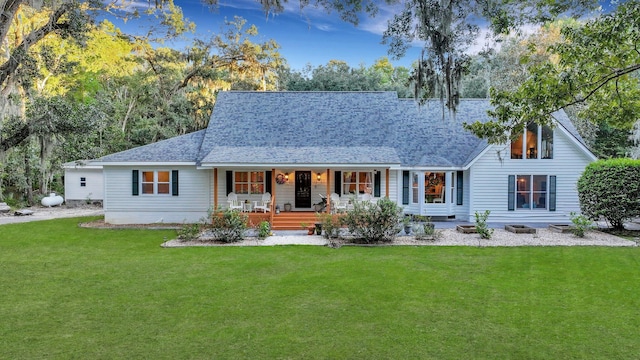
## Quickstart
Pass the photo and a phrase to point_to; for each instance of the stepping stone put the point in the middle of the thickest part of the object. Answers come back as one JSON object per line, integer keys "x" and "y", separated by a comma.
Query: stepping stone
{"x": 23, "y": 212}
{"x": 4, "y": 208}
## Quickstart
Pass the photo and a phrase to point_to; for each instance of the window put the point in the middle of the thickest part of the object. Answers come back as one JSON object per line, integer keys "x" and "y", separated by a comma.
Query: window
{"x": 249, "y": 182}
{"x": 434, "y": 187}
{"x": 156, "y": 182}
{"x": 531, "y": 192}
{"x": 535, "y": 143}
{"x": 354, "y": 182}
{"x": 83, "y": 181}
{"x": 414, "y": 188}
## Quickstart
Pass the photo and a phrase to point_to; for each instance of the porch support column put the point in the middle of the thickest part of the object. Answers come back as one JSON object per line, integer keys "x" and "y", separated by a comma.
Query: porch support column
{"x": 272, "y": 205}
{"x": 215, "y": 189}
{"x": 386, "y": 185}
{"x": 329, "y": 191}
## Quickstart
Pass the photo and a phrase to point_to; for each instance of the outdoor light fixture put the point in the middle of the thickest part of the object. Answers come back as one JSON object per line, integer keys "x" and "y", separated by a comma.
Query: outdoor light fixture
{"x": 318, "y": 176}
{"x": 286, "y": 176}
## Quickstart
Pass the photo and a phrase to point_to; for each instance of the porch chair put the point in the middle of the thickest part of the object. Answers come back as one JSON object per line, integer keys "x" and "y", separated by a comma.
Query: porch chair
{"x": 439, "y": 199}
{"x": 234, "y": 204}
{"x": 368, "y": 197}
{"x": 263, "y": 204}
{"x": 336, "y": 204}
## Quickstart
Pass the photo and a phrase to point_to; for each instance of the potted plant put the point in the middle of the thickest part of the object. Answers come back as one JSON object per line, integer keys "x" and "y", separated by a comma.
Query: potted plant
{"x": 318, "y": 228}
{"x": 310, "y": 229}
{"x": 406, "y": 223}
{"x": 287, "y": 207}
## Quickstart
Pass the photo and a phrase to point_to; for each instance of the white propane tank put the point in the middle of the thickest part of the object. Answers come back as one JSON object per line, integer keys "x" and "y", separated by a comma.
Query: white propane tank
{"x": 52, "y": 200}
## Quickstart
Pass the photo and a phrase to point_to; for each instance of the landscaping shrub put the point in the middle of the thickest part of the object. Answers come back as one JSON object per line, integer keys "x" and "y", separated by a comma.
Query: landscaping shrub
{"x": 188, "y": 232}
{"x": 610, "y": 189}
{"x": 481, "y": 225}
{"x": 331, "y": 225}
{"x": 228, "y": 226}
{"x": 374, "y": 222}
{"x": 581, "y": 224}
{"x": 264, "y": 229}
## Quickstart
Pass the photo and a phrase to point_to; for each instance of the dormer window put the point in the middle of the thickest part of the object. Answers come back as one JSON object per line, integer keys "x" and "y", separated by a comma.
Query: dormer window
{"x": 535, "y": 143}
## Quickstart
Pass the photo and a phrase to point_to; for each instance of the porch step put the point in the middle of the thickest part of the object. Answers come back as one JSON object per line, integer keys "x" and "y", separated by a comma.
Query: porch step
{"x": 292, "y": 220}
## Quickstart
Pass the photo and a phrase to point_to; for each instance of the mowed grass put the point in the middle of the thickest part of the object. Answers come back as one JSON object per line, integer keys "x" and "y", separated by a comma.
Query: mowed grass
{"x": 73, "y": 293}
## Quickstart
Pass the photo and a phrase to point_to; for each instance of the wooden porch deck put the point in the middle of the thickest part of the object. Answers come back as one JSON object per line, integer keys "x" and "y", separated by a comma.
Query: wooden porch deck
{"x": 290, "y": 220}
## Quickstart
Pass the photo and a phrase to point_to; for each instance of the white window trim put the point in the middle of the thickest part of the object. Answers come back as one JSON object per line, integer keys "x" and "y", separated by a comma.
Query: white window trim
{"x": 155, "y": 183}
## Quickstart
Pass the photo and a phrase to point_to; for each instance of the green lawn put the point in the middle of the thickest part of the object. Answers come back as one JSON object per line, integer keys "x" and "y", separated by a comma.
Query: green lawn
{"x": 68, "y": 292}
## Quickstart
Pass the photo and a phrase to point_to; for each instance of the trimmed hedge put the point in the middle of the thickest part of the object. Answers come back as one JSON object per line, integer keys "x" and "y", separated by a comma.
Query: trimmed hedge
{"x": 610, "y": 189}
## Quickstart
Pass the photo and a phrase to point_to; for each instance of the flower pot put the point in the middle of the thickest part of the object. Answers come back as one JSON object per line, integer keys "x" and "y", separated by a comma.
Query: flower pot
{"x": 318, "y": 228}
{"x": 407, "y": 229}
{"x": 311, "y": 230}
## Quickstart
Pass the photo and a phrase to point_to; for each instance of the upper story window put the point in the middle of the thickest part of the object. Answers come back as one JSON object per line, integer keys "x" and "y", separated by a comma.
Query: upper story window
{"x": 156, "y": 182}
{"x": 354, "y": 182}
{"x": 535, "y": 143}
{"x": 249, "y": 182}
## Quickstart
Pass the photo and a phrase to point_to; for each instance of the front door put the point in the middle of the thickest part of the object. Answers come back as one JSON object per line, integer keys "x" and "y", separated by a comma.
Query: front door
{"x": 303, "y": 189}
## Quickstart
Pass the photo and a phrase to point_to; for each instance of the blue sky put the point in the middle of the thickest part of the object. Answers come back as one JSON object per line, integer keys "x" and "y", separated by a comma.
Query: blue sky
{"x": 309, "y": 37}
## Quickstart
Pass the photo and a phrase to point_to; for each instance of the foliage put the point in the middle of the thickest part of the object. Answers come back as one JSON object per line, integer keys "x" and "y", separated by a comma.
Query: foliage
{"x": 374, "y": 222}
{"x": 610, "y": 189}
{"x": 331, "y": 225}
{"x": 264, "y": 229}
{"x": 426, "y": 231}
{"x": 581, "y": 224}
{"x": 227, "y": 225}
{"x": 595, "y": 67}
{"x": 481, "y": 225}
{"x": 188, "y": 232}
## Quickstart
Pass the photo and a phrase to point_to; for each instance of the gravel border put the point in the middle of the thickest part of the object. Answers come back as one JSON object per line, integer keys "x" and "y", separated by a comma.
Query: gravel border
{"x": 449, "y": 237}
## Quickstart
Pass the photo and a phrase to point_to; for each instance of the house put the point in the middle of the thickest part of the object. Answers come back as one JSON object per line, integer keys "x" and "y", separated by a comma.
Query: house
{"x": 83, "y": 182}
{"x": 301, "y": 146}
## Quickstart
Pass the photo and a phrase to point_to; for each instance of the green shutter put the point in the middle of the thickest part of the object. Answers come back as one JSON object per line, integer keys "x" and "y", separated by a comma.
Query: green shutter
{"x": 174, "y": 182}
{"x": 376, "y": 184}
{"x": 552, "y": 193}
{"x": 405, "y": 187}
{"x": 511, "y": 195}
{"x": 267, "y": 182}
{"x": 459, "y": 187}
{"x": 229, "y": 182}
{"x": 135, "y": 183}
{"x": 337, "y": 182}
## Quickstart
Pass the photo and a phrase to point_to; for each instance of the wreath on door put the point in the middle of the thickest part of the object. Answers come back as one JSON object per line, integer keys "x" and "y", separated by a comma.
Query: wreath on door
{"x": 280, "y": 179}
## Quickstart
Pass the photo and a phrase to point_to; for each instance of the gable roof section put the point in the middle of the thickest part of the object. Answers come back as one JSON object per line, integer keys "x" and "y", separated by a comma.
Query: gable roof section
{"x": 301, "y": 128}
{"x": 429, "y": 135}
{"x": 179, "y": 149}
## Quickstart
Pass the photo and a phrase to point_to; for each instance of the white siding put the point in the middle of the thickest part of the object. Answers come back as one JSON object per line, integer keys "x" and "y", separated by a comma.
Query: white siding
{"x": 192, "y": 203}
{"x": 489, "y": 181}
{"x": 94, "y": 189}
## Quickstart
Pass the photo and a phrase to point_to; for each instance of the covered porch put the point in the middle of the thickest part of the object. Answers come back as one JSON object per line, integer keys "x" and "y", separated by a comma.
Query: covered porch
{"x": 297, "y": 194}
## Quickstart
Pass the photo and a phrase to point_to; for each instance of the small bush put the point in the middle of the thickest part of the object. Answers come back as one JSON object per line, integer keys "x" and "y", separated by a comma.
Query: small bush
{"x": 188, "y": 232}
{"x": 426, "y": 231}
{"x": 610, "y": 189}
{"x": 228, "y": 225}
{"x": 331, "y": 225}
{"x": 581, "y": 224}
{"x": 369, "y": 222}
{"x": 481, "y": 225}
{"x": 264, "y": 229}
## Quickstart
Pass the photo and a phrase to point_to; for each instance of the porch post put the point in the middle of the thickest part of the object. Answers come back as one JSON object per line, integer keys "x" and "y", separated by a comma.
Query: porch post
{"x": 386, "y": 185}
{"x": 272, "y": 205}
{"x": 215, "y": 189}
{"x": 329, "y": 191}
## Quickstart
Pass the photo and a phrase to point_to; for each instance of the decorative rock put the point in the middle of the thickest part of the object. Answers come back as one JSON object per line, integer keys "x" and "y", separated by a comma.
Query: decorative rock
{"x": 4, "y": 208}
{"x": 23, "y": 212}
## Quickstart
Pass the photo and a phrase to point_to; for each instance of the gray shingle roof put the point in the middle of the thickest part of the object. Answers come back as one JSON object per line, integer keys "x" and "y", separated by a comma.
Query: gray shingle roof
{"x": 341, "y": 128}
{"x": 182, "y": 148}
